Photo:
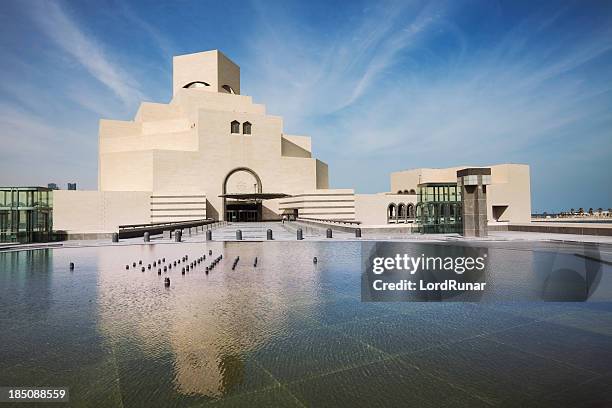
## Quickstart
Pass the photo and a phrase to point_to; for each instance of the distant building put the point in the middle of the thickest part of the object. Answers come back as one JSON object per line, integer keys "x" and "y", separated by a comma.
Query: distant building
{"x": 72, "y": 186}
{"x": 52, "y": 186}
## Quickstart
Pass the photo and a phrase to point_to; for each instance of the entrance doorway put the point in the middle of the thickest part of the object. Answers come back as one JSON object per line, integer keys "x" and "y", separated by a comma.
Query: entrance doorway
{"x": 243, "y": 184}
{"x": 243, "y": 211}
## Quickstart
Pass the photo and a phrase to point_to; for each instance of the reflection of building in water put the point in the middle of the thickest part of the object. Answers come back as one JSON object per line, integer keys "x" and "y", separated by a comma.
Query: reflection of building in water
{"x": 210, "y": 327}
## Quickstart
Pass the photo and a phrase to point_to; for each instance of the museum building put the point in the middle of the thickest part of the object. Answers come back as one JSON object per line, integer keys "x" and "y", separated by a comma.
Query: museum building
{"x": 214, "y": 153}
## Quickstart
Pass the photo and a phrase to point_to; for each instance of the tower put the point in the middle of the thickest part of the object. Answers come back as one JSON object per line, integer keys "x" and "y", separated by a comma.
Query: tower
{"x": 473, "y": 183}
{"x": 209, "y": 71}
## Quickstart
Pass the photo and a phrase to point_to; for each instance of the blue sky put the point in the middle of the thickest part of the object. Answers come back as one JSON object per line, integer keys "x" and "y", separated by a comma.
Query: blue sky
{"x": 379, "y": 86}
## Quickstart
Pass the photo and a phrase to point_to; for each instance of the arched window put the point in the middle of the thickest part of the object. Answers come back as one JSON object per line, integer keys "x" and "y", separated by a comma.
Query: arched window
{"x": 410, "y": 211}
{"x": 399, "y": 191}
{"x": 228, "y": 89}
{"x": 401, "y": 211}
{"x": 246, "y": 128}
{"x": 391, "y": 212}
{"x": 405, "y": 191}
{"x": 412, "y": 191}
{"x": 196, "y": 84}
{"x": 235, "y": 128}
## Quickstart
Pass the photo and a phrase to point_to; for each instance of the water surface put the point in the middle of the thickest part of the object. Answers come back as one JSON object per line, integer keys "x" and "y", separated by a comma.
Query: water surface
{"x": 286, "y": 332}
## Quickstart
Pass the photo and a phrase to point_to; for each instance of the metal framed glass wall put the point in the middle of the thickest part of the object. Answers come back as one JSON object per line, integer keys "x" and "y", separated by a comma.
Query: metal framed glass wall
{"x": 26, "y": 214}
{"x": 243, "y": 211}
{"x": 439, "y": 208}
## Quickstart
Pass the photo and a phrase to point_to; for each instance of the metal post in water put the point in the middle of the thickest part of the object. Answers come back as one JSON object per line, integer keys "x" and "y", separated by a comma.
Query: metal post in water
{"x": 115, "y": 237}
{"x": 147, "y": 237}
{"x": 358, "y": 233}
{"x": 329, "y": 233}
{"x": 209, "y": 235}
{"x": 269, "y": 234}
{"x": 239, "y": 235}
{"x": 177, "y": 235}
{"x": 300, "y": 235}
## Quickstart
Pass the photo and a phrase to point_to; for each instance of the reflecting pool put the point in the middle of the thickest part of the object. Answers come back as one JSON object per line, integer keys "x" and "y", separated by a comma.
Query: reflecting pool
{"x": 286, "y": 332}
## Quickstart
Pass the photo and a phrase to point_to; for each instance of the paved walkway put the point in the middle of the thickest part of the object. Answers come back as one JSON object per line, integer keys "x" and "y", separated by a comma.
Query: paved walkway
{"x": 256, "y": 231}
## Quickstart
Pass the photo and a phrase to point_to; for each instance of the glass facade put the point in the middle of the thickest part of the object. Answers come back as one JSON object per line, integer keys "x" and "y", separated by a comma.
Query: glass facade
{"x": 26, "y": 214}
{"x": 439, "y": 208}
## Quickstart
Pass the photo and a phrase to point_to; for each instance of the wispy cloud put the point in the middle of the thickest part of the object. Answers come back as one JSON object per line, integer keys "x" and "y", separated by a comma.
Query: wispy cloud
{"x": 35, "y": 152}
{"x": 65, "y": 32}
{"x": 322, "y": 76}
{"x": 380, "y": 85}
{"x": 164, "y": 44}
{"x": 411, "y": 88}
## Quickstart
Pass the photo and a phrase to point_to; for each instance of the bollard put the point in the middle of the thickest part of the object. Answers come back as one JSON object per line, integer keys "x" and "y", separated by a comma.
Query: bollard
{"x": 142, "y": 269}
{"x": 178, "y": 235}
{"x": 159, "y": 271}
{"x": 209, "y": 235}
{"x": 238, "y": 235}
{"x": 255, "y": 263}
{"x": 329, "y": 233}
{"x": 147, "y": 237}
{"x": 358, "y": 233}
{"x": 167, "y": 282}
{"x": 300, "y": 235}
{"x": 314, "y": 260}
{"x": 269, "y": 235}
{"x": 115, "y": 237}
{"x": 71, "y": 266}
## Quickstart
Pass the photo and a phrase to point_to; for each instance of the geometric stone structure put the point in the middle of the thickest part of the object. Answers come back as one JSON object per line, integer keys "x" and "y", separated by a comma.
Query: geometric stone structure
{"x": 190, "y": 158}
{"x": 212, "y": 152}
{"x": 508, "y": 195}
{"x": 473, "y": 183}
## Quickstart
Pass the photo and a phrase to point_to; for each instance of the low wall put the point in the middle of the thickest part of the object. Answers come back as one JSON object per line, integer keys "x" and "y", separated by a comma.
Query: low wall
{"x": 576, "y": 229}
{"x": 325, "y": 225}
{"x": 82, "y": 236}
{"x": 559, "y": 228}
{"x": 403, "y": 229}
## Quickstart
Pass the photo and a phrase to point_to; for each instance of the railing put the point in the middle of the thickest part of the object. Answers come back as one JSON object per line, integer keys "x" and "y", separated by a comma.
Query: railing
{"x": 154, "y": 228}
{"x": 349, "y": 222}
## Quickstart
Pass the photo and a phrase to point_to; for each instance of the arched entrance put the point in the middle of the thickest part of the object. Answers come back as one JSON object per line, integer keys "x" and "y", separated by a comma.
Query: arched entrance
{"x": 241, "y": 180}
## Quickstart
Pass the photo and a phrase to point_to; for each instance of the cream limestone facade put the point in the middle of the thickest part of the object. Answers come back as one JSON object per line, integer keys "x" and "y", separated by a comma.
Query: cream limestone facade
{"x": 182, "y": 156}
{"x": 508, "y": 195}
{"x": 184, "y": 160}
